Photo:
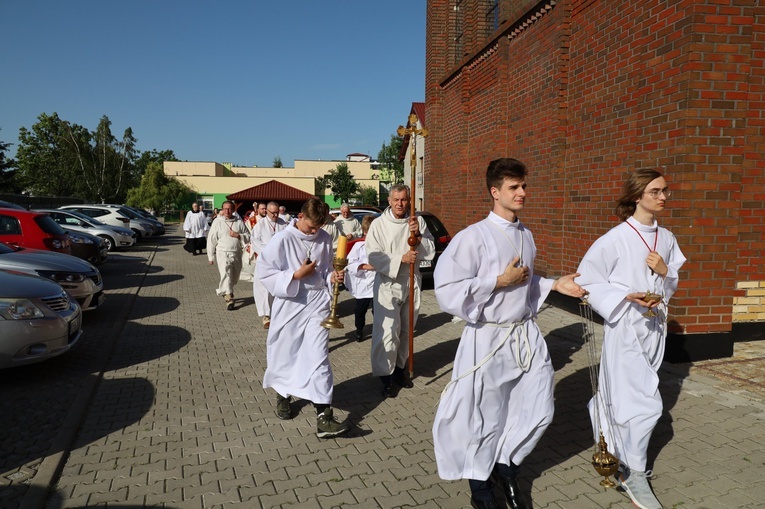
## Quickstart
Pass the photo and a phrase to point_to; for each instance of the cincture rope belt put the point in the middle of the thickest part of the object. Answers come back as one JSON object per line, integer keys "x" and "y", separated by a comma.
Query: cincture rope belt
{"x": 514, "y": 329}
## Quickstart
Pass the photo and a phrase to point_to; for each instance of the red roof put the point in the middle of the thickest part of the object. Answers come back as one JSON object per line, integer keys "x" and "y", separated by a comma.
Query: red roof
{"x": 271, "y": 190}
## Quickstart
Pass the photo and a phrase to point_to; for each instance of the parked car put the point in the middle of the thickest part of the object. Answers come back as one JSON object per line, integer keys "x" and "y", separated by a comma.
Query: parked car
{"x": 114, "y": 236}
{"x": 38, "y": 319}
{"x": 441, "y": 239}
{"x": 358, "y": 211}
{"x": 159, "y": 226}
{"x": 114, "y": 217}
{"x": 32, "y": 229}
{"x": 87, "y": 247}
{"x": 79, "y": 278}
{"x": 8, "y": 205}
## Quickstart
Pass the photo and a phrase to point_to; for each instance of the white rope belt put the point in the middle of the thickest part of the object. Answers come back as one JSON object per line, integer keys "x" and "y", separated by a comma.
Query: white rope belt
{"x": 518, "y": 336}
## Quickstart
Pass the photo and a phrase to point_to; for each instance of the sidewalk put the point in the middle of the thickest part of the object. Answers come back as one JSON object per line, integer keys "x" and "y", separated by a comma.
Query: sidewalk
{"x": 180, "y": 418}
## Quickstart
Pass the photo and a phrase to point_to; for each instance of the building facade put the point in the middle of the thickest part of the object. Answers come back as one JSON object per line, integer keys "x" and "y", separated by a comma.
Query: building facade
{"x": 584, "y": 91}
{"x": 214, "y": 181}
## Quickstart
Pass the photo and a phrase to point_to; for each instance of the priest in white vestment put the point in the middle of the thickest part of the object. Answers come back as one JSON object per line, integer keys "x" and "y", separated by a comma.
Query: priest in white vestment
{"x": 347, "y": 224}
{"x": 225, "y": 244}
{"x": 499, "y": 401}
{"x": 633, "y": 258}
{"x": 389, "y": 253}
{"x": 195, "y": 228}
{"x": 296, "y": 268}
{"x": 262, "y": 232}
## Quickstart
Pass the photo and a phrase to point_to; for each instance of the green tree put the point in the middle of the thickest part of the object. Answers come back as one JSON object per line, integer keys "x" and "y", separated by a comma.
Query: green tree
{"x": 7, "y": 173}
{"x": 341, "y": 182}
{"x": 151, "y": 156}
{"x": 391, "y": 169}
{"x": 45, "y": 161}
{"x": 159, "y": 192}
{"x": 368, "y": 195}
{"x": 106, "y": 164}
{"x": 277, "y": 162}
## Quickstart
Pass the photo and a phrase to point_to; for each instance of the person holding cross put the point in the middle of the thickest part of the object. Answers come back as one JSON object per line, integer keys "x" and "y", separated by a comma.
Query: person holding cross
{"x": 389, "y": 253}
{"x": 499, "y": 401}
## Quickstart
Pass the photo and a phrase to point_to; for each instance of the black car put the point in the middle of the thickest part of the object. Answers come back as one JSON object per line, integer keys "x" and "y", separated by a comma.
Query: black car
{"x": 88, "y": 247}
{"x": 441, "y": 239}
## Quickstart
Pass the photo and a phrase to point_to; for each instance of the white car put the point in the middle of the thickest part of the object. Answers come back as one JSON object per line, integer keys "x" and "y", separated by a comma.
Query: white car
{"x": 114, "y": 217}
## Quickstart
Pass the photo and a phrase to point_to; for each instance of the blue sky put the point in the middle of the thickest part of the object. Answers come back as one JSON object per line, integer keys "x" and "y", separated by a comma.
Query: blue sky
{"x": 229, "y": 81}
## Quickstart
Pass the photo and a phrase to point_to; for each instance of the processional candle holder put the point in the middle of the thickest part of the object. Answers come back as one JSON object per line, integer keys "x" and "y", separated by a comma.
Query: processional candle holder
{"x": 340, "y": 262}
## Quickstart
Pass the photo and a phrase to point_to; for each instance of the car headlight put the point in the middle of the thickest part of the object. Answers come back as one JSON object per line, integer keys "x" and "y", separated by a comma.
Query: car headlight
{"x": 80, "y": 240}
{"x": 19, "y": 309}
{"x": 62, "y": 277}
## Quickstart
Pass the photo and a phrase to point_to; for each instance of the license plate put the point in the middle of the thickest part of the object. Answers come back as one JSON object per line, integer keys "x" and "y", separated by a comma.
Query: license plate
{"x": 424, "y": 264}
{"x": 74, "y": 326}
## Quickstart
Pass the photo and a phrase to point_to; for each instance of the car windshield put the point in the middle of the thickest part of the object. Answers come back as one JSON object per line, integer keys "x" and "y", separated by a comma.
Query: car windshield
{"x": 128, "y": 213}
{"x": 48, "y": 225}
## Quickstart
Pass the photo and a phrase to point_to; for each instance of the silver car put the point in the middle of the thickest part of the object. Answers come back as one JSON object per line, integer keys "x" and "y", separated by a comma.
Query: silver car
{"x": 116, "y": 237}
{"x": 38, "y": 319}
{"x": 79, "y": 278}
{"x": 113, "y": 216}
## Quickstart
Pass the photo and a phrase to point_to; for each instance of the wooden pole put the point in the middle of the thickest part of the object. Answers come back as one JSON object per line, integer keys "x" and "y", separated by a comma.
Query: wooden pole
{"x": 413, "y": 241}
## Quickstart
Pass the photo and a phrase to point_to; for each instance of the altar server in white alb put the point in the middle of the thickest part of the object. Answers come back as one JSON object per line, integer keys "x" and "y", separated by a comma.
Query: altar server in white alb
{"x": 262, "y": 233}
{"x": 388, "y": 252}
{"x": 195, "y": 228}
{"x": 360, "y": 278}
{"x": 225, "y": 244}
{"x": 499, "y": 401}
{"x": 618, "y": 271}
{"x": 296, "y": 268}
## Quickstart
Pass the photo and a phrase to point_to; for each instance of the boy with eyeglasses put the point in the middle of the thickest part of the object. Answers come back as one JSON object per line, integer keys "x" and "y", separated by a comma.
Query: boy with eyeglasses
{"x": 631, "y": 272}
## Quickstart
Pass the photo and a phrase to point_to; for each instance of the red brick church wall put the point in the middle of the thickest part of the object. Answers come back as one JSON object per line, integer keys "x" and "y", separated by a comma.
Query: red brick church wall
{"x": 583, "y": 91}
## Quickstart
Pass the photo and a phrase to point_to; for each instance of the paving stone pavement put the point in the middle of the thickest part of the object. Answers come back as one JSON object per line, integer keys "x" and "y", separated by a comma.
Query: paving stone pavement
{"x": 179, "y": 418}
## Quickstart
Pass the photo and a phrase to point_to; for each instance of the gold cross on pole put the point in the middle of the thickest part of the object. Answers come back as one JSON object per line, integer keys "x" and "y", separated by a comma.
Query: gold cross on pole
{"x": 413, "y": 132}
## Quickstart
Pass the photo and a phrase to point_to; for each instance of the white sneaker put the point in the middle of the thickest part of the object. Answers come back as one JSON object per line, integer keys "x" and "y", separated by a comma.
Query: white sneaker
{"x": 637, "y": 487}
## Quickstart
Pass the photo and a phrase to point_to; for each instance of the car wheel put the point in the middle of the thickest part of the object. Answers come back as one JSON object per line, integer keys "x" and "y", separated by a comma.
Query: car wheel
{"x": 109, "y": 242}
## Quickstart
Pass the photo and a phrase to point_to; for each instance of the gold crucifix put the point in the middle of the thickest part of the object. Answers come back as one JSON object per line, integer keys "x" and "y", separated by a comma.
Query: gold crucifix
{"x": 413, "y": 240}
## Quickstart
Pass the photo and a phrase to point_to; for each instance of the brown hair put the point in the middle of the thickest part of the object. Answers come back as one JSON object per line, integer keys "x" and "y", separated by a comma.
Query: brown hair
{"x": 504, "y": 168}
{"x": 314, "y": 210}
{"x": 365, "y": 222}
{"x": 633, "y": 188}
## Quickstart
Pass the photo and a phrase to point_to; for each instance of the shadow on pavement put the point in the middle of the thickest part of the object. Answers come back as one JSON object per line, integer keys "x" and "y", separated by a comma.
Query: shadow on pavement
{"x": 570, "y": 433}
{"x": 143, "y": 343}
{"x": 145, "y": 307}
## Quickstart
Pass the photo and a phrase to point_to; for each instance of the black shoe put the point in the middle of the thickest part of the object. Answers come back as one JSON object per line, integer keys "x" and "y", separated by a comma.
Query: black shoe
{"x": 401, "y": 378}
{"x": 388, "y": 391}
{"x": 511, "y": 490}
{"x": 283, "y": 410}
{"x": 484, "y": 504}
{"x": 359, "y": 336}
{"x": 327, "y": 426}
{"x": 194, "y": 253}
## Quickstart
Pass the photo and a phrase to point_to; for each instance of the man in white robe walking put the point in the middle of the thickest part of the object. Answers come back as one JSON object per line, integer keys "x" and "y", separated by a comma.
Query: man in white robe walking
{"x": 347, "y": 224}
{"x": 225, "y": 243}
{"x": 389, "y": 253}
{"x": 296, "y": 268}
{"x": 500, "y": 399}
{"x": 262, "y": 233}
{"x": 195, "y": 228}
{"x": 618, "y": 271}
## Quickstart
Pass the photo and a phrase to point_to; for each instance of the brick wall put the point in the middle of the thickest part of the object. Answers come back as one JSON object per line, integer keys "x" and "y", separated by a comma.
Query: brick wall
{"x": 584, "y": 91}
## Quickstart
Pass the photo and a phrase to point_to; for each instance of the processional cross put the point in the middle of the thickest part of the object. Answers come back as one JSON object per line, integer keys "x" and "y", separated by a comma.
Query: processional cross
{"x": 413, "y": 132}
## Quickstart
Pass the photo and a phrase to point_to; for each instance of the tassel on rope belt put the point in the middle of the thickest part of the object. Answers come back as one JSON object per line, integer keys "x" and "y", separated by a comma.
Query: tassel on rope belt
{"x": 515, "y": 330}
